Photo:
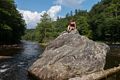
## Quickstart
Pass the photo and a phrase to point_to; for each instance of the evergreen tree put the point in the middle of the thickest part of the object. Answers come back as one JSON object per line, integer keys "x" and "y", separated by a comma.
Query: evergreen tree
{"x": 44, "y": 28}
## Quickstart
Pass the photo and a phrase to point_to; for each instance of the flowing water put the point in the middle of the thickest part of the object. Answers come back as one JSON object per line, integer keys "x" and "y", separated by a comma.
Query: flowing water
{"x": 15, "y": 68}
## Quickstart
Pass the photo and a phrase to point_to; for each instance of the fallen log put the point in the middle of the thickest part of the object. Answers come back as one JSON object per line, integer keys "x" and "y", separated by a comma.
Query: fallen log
{"x": 99, "y": 75}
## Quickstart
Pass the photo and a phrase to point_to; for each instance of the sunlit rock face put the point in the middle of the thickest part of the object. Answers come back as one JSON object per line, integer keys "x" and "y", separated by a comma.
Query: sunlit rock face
{"x": 70, "y": 55}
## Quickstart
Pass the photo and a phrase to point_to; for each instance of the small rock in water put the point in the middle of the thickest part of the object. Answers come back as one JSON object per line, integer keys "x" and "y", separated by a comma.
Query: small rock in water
{"x": 21, "y": 63}
{"x": 3, "y": 70}
{"x": 3, "y": 66}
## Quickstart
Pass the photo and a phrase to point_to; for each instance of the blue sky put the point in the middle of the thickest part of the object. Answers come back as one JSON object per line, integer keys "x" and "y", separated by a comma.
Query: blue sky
{"x": 33, "y": 9}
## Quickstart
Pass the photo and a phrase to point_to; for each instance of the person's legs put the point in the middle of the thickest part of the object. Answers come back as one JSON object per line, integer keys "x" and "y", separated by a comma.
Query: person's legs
{"x": 71, "y": 28}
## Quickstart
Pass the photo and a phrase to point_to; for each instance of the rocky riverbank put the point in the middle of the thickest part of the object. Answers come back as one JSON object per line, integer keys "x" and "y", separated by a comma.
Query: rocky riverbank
{"x": 70, "y": 55}
{"x": 6, "y": 51}
{"x": 10, "y": 46}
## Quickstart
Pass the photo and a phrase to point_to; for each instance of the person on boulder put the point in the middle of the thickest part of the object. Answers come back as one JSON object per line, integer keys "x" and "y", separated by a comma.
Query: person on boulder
{"x": 71, "y": 26}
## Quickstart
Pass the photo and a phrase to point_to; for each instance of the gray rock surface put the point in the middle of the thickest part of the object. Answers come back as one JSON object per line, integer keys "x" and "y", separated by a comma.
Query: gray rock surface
{"x": 70, "y": 55}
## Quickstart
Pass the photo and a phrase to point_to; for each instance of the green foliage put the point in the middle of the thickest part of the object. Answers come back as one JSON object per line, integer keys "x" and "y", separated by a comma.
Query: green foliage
{"x": 100, "y": 23}
{"x": 83, "y": 26}
{"x": 44, "y": 28}
{"x": 12, "y": 25}
{"x": 29, "y": 35}
{"x": 105, "y": 22}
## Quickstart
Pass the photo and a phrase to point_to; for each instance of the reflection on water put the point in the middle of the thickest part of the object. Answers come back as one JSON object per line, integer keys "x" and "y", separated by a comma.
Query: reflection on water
{"x": 16, "y": 68}
{"x": 113, "y": 60}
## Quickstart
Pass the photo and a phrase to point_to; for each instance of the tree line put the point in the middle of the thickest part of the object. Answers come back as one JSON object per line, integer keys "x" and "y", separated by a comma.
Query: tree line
{"x": 101, "y": 23}
{"x": 12, "y": 26}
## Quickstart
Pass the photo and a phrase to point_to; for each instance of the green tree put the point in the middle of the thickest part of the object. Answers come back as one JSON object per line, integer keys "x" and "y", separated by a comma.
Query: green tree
{"x": 104, "y": 20}
{"x": 12, "y": 25}
{"x": 83, "y": 26}
{"x": 44, "y": 28}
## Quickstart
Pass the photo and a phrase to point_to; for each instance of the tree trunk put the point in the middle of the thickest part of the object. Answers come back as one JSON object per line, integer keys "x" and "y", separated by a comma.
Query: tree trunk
{"x": 103, "y": 74}
{"x": 99, "y": 75}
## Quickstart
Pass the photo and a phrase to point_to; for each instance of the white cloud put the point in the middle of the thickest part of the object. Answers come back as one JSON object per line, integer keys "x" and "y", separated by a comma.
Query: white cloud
{"x": 32, "y": 18}
{"x": 69, "y": 3}
{"x": 53, "y": 11}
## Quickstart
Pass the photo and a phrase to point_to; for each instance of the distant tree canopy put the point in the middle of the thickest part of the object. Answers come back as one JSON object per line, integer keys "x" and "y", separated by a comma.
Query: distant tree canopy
{"x": 101, "y": 23}
{"x": 105, "y": 20}
{"x": 12, "y": 25}
{"x": 29, "y": 35}
{"x": 44, "y": 29}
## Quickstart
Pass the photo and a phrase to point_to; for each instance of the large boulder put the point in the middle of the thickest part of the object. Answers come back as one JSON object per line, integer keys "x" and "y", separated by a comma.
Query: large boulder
{"x": 70, "y": 55}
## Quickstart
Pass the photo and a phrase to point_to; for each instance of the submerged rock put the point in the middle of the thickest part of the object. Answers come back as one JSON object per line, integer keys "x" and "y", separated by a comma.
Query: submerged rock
{"x": 70, "y": 55}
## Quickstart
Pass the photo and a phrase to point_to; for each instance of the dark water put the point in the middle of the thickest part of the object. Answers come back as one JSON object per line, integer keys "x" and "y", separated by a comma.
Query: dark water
{"x": 15, "y": 68}
{"x": 113, "y": 60}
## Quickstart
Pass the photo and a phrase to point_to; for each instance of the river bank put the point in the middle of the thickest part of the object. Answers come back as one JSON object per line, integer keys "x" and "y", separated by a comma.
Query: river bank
{"x": 43, "y": 44}
{"x": 15, "y": 46}
{"x": 7, "y": 51}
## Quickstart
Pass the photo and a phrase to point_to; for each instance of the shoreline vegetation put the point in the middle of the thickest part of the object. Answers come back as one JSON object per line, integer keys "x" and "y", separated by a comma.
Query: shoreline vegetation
{"x": 43, "y": 44}
{"x": 12, "y": 25}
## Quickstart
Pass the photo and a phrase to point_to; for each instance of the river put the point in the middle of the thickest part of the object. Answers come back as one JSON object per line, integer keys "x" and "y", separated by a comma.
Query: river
{"x": 15, "y": 68}
{"x": 113, "y": 60}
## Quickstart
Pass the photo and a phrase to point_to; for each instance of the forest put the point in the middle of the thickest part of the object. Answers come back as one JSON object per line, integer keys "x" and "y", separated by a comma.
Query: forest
{"x": 12, "y": 26}
{"x": 101, "y": 23}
